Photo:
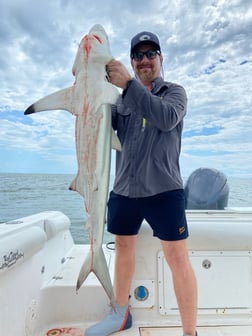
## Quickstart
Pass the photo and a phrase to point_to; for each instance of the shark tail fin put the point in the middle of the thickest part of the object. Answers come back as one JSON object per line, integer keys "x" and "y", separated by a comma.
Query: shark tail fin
{"x": 59, "y": 100}
{"x": 96, "y": 263}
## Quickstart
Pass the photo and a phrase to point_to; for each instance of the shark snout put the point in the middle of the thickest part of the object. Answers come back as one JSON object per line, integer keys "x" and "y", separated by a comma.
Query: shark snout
{"x": 92, "y": 37}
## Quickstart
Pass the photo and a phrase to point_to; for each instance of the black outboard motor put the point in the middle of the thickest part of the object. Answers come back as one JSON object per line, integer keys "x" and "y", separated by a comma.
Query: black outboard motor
{"x": 206, "y": 189}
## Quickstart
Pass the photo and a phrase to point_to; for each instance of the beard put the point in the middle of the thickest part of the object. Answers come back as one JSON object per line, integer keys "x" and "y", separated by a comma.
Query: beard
{"x": 146, "y": 74}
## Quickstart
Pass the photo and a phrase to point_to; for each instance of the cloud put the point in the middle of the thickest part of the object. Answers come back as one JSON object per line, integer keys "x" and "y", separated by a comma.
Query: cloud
{"x": 206, "y": 49}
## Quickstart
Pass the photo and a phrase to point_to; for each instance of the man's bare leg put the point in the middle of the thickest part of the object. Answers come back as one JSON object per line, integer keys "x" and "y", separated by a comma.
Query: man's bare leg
{"x": 119, "y": 318}
{"x": 124, "y": 267}
{"x": 184, "y": 282}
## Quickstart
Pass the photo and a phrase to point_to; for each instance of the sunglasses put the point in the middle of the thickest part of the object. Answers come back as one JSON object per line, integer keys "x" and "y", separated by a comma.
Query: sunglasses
{"x": 150, "y": 54}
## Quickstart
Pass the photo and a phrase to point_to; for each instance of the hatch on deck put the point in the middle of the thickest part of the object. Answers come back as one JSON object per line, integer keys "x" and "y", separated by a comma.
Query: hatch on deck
{"x": 224, "y": 282}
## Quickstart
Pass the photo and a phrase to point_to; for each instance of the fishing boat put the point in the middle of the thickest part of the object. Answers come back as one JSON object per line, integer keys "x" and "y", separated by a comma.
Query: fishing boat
{"x": 40, "y": 263}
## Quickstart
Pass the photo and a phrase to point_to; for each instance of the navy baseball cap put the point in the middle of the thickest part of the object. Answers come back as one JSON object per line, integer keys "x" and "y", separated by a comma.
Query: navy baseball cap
{"x": 143, "y": 38}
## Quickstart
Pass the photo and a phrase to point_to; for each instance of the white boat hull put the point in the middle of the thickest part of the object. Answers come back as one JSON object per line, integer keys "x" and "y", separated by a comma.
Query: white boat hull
{"x": 39, "y": 265}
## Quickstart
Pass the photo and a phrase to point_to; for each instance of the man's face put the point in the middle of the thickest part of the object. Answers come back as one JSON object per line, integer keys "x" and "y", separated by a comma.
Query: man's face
{"x": 147, "y": 69}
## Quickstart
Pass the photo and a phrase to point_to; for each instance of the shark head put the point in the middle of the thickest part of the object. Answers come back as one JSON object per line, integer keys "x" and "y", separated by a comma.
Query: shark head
{"x": 98, "y": 30}
{"x": 94, "y": 48}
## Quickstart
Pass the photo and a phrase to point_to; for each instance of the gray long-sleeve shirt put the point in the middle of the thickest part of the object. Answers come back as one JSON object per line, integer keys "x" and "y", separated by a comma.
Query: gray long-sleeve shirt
{"x": 149, "y": 126}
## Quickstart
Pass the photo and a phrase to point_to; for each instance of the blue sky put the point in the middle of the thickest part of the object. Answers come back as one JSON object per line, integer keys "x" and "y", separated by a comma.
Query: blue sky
{"x": 207, "y": 48}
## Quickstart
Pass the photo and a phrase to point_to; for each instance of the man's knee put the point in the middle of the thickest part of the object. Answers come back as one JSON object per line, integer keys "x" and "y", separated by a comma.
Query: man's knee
{"x": 125, "y": 243}
{"x": 176, "y": 254}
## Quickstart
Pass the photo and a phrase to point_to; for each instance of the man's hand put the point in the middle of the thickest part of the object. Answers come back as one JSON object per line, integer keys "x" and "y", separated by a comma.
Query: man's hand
{"x": 118, "y": 74}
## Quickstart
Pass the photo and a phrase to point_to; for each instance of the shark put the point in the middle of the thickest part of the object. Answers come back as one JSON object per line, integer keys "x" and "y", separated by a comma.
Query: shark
{"x": 89, "y": 99}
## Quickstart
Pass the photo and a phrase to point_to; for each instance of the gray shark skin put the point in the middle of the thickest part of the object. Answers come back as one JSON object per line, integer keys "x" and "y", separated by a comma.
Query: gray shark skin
{"x": 90, "y": 99}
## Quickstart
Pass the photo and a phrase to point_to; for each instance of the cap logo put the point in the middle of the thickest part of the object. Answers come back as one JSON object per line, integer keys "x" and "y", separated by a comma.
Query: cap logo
{"x": 144, "y": 37}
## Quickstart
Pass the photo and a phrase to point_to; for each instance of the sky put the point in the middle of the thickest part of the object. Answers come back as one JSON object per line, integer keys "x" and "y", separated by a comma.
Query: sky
{"x": 207, "y": 48}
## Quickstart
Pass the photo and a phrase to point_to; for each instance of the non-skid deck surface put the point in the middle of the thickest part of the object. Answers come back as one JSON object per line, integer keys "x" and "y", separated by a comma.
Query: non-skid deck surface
{"x": 202, "y": 331}
{"x": 65, "y": 332}
{"x": 161, "y": 331}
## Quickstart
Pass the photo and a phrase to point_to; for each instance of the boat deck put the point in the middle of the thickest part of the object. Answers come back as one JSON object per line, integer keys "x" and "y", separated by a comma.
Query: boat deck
{"x": 161, "y": 331}
{"x": 39, "y": 267}
{"x": 202, "y": 331}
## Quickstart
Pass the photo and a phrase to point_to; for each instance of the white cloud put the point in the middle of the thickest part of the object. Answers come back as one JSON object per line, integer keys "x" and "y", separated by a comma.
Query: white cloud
{"x": 206, "y": 47}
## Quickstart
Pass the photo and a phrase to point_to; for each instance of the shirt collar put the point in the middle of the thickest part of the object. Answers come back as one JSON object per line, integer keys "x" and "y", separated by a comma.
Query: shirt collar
{"x": 156, "y": 83}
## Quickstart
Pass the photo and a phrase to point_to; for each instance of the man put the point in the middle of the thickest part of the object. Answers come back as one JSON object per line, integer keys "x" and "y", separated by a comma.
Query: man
{"x": 148, "y": 118}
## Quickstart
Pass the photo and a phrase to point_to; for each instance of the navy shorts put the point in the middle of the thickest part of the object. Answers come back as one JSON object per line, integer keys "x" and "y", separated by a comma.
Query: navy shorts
{"x": 164, "y": 212}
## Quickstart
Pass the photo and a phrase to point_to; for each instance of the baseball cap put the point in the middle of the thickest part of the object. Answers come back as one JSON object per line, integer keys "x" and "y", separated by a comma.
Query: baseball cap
{"x": 143, "y": 38}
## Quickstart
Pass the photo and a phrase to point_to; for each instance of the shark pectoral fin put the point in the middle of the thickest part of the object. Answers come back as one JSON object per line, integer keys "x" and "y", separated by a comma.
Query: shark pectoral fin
{"x": 96, "y": 263}
{"x": 115, "y": 142}
{"x": 60, "y": 100}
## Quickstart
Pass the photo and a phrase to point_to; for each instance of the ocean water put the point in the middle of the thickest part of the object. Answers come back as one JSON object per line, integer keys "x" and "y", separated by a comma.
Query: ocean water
{"x": 26, "y": 194}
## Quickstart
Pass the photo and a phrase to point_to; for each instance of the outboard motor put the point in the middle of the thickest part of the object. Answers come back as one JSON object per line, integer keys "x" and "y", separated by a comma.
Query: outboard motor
{"x": 206, "y": 189}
